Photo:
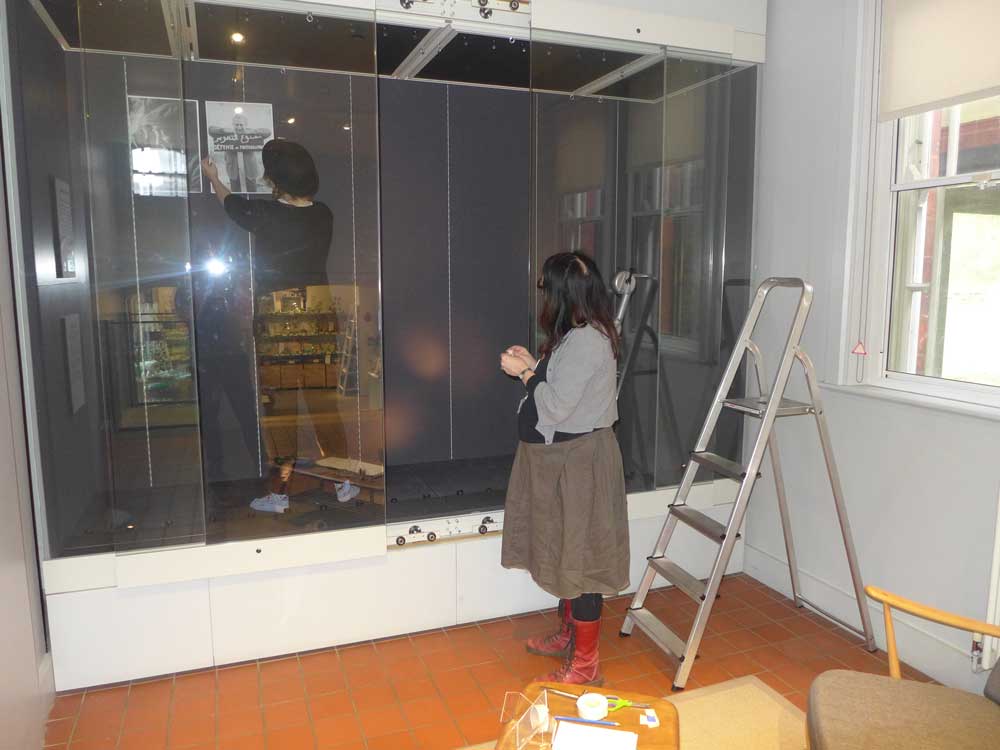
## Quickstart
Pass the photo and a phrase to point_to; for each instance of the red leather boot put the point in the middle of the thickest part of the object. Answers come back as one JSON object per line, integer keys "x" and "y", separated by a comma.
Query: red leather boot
{"x": 582, "y": 666}
{"x": 558, "y": 643}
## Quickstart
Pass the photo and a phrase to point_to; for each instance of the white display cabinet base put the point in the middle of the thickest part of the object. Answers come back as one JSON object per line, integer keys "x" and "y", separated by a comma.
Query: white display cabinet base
{"x": 119, "y": 633}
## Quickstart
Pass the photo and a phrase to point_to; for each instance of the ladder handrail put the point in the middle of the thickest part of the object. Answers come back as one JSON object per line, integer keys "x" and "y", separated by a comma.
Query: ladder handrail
{"x": 742, "y": 341}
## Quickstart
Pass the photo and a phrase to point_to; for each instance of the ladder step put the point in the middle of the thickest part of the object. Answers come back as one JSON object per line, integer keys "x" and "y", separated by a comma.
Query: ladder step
{"x": 719, "y": 465}
{"x": 661, "y": 635}
{"x": 755, "y": 407}
{"x": 700, "y": 522}
{"x": 679, "y": 577}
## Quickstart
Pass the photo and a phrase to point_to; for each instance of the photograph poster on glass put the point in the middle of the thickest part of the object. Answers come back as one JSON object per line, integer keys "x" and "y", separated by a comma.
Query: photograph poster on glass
{"x": 165, "y": 144}
{"x": 237, "y": 132}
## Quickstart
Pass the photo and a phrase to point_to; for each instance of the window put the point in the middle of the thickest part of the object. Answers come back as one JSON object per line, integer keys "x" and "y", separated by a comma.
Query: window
{"x": 945, "y": 301}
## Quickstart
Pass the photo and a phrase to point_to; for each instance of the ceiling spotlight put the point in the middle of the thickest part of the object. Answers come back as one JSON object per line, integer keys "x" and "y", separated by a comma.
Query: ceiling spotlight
{"x": 238, "y": 110}
{"x": 290, "y": 120}
{"x": 237, "y": 37}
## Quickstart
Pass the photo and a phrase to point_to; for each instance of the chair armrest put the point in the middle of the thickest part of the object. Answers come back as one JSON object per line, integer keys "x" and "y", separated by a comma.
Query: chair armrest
{"x": 890, "y": 601}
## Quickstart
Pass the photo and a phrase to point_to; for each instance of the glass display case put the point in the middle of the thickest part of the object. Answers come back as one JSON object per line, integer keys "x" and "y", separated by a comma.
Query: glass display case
{"x": 246, "y": 352}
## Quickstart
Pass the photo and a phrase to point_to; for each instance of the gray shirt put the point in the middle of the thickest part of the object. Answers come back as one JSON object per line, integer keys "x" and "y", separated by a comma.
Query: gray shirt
{"x": 578, "y": 394}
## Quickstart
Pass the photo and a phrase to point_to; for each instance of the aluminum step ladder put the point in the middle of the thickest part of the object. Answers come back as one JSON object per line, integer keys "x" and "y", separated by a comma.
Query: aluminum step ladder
{"x": 765, "y": 408}
{"x": 347, "y": 380}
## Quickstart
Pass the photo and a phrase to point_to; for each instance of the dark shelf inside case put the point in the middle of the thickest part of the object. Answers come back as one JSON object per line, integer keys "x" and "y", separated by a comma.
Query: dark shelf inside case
{"x": 446, "y": 488}
{"x": 439, "y": 507}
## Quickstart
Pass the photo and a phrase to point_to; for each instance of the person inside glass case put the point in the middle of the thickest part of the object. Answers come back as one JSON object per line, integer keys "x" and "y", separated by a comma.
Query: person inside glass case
{"x": 291, "y": 244}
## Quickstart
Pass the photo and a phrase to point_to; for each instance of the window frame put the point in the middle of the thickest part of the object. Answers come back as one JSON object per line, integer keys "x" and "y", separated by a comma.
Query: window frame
{"x": 868, "y": 273}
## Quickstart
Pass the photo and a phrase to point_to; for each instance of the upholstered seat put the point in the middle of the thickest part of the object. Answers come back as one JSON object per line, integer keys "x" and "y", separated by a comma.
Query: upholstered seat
{"x": 859, "y": 711}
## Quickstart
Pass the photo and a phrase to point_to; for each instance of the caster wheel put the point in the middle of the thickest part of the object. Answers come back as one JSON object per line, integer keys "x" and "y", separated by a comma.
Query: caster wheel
{"x": 406, "y": 4}
{"x": 483, "y": 3}
{"x": 483, "y": 529}
{"x": 486, "y": 13}
{"x": 624, "y": 635}
{"x": 400, "y": 541}
{"x": 514, "y": 4}
{"x": 324, "y": 506}
{"x": 426, "y": 496}
{"x": 394, "y": 500}
{"x": 321, "y": 526}
{"x": 431, "y": 536}
{"x": 460, "y": 492}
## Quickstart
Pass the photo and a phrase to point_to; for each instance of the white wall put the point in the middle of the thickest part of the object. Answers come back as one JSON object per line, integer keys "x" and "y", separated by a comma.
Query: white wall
{"x": 921, "y": 485}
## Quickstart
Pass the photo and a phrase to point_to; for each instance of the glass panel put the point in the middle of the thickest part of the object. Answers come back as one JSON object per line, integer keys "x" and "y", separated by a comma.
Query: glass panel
{"x": 206, "y": 370}
{"x": 455, "y": 174}
{"x": 961, "y": 139}
{"x": 707, "y": 207}
{"x": 106, "y": 167}
{"x": 598, "y": 164}
{"x": 946, "y": 284}
{"x": 286, "y": 272}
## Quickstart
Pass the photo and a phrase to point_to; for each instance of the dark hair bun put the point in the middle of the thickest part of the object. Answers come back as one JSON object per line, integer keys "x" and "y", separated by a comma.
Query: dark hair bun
{"x": 290, "y": 169}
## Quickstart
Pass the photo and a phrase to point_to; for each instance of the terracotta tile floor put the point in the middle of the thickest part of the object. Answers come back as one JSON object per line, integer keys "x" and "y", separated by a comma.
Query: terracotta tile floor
{"x": 443, "y": 689}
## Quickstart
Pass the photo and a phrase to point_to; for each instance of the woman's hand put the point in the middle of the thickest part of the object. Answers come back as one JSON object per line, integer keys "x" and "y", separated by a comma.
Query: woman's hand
{"x": 520, "y": 351}
{"x": 514, "y": 365}
{"x": 208, "y": 167}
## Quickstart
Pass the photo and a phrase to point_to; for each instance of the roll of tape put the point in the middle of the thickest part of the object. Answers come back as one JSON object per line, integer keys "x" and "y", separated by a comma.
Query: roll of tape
{"x": 592, "y": 706}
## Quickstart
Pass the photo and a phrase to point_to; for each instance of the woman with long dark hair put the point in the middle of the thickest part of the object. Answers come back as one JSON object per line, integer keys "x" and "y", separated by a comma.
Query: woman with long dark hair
{"x": 565, "y": 519}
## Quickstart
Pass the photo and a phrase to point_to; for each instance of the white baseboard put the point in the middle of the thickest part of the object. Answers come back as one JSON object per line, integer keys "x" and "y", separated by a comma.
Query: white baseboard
{"x": 919, "y": 647}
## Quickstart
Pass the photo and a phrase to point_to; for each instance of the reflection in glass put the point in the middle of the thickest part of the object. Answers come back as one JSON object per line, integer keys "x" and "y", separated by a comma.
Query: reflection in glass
{"x": 705, "y": 262}
{"x": 286, "y": 278}
{"x": 209, "y": 359}
{"x": 205, "y": 374}
{"x": 597, "y": 162}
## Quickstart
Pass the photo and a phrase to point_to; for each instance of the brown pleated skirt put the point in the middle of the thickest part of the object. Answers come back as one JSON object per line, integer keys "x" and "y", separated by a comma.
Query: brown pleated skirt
{"x": 566, "y": 518}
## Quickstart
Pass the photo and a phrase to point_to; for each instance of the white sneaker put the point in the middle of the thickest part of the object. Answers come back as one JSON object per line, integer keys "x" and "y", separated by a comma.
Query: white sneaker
{"x": 347, "y": 491}
{"x": 271, "y": 503}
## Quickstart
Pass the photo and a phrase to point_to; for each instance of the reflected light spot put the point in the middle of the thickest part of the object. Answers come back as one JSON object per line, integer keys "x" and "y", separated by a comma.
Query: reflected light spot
{"x": 216, "y": 267}
{"x": 426, "y": 355}
{"x": 290, "y": 120}
{"x": 187, "y": 267}
{"x": 238, "y": 110}
{"x": 346, "y": 126}
{"x": 237, "y": 38}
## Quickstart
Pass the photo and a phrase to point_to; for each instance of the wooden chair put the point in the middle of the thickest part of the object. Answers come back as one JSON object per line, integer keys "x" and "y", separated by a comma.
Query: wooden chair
{"x": 854, "y": 710}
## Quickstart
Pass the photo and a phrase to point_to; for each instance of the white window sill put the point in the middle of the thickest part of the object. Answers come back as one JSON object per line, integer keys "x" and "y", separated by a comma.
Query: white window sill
{"x": 954, "y": 405}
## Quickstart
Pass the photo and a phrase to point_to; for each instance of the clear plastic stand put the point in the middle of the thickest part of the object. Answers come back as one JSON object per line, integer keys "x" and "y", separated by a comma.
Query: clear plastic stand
{"x": 531, "y": 720}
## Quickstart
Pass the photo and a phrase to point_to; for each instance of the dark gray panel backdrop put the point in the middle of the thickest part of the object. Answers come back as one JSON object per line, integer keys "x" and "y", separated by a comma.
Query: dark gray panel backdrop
{"x": 435, "y": 412}
{"x": 414, "y": 270}
{"x": 490, "y": 176}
